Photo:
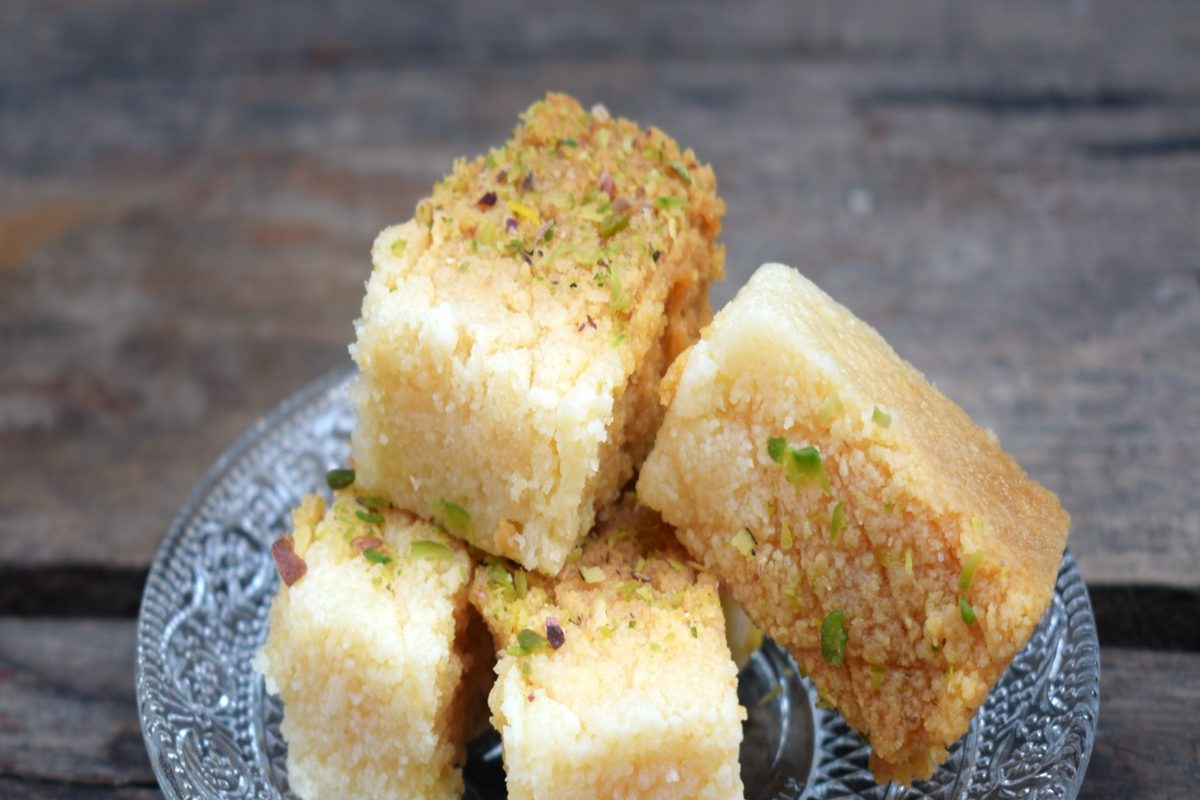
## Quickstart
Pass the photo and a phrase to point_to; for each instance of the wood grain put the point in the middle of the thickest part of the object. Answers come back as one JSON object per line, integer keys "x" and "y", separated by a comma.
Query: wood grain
{"x": 68, "y": 720}
{"x": 196, "y": 189}
{"x": 67, "y": 712}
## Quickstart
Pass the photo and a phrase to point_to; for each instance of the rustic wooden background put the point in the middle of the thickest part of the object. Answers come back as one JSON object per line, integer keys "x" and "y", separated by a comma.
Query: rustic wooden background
{"x": 1009, "y": 191}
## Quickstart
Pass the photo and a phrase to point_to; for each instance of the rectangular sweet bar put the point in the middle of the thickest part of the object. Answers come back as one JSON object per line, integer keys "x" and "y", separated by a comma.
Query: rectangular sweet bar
{"x": 514, "y": 333}
{"x": 857, "y": 514}
{"x": 615, "y": 679}
{"x": 375, "y": 652}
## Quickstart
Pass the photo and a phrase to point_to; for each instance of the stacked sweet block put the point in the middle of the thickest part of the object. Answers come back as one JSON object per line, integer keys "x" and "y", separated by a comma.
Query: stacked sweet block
{"x": 526, "y": 341}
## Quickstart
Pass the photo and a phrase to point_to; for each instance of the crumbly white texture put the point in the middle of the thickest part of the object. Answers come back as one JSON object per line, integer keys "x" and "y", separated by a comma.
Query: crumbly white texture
{"x": 640, "y": 701}
{"x": 921, "y": 490}
{"x": 365, "y": 659}
{"x": 522, "y": 385}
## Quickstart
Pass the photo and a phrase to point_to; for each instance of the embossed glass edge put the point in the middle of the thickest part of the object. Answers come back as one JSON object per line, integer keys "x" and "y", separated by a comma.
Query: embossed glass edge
{"x": 152, "y": 610}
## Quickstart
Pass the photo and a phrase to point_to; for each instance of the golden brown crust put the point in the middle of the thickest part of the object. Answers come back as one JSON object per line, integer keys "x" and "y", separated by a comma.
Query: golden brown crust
{"x": 918, "y": 491}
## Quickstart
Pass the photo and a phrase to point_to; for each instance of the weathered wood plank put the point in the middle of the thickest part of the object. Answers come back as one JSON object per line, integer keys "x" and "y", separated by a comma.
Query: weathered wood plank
{"x": 67, "y": 711}
{"x": 1148, "y": 743}
{"x": 82, "y": 41}
{"x": 1024, "y": 232}
{"x": 68, "y": 721}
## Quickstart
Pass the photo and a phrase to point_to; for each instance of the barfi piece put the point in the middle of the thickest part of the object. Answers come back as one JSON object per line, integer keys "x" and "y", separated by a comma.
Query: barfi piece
{"x": 856, "y": 513}
{"x": 615, "y": 680}
{"x": 514, "y": 334}
{"x": 382, "y": 664}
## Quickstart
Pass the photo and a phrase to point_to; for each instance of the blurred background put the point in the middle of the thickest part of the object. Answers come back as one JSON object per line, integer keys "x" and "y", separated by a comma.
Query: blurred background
{"x": 1009, "y": 192}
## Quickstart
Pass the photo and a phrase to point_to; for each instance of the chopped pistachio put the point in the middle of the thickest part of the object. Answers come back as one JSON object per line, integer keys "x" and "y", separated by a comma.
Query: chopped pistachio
{"x": 398, "y": 247}
{"x": 667, "y": 203}
{"x": 613, "y": 224}
{"x": 370, "y": 516}
{"x": 837, "y": 521}
{"x": 339, "y": 478}
{"x": 680, "y": 169}
{"x": 743, "y": 541}
{"x": 968, "y": 613}
{"x": 675, "y": 565}
{"x": 806, "y": 463}
{"x": 694, "y": 632}
{"x": 453, "y": 517}
{"x": 377, "y": 556}
{"x": 833, "y": 638}
{"x": 568, "y": 142}
{"x": 881, "y": 418}
{"x": 969, "y": 568}
{"x": 592, "y": 574}
{"x": 521, "y": 584}
{"x": 498, "y": 575}
{"x": 525, "y": 212}
{"x": 776, "y": 448}
{"x": 528, "y": 641}
{"x": 646, "y": 593}
{"x": 429, "y": 550}
{"x": 908, "y": 562}
{"x": 373, "y": 503}
{"x": 786, "y": 539}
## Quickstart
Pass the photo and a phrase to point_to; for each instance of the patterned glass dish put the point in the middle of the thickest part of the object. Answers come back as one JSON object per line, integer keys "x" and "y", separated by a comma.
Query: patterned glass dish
{"x": 212, "y": 731}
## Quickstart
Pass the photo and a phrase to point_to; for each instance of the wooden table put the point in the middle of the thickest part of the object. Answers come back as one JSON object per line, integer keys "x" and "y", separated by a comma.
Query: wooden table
{"x": 1009, "y": 192}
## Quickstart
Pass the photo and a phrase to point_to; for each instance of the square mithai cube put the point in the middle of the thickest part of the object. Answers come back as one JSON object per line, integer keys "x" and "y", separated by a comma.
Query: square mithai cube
{"x": 381, "y": 662}
{"x": 857, "y": 514}
{"x": 514, "y": 333}
{"x": 615, "y": 679}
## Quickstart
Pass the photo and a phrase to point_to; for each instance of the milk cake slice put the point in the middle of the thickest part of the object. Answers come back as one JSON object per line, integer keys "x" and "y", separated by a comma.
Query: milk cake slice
{"x": 856, "y": 513}
{"x": 381, "y": 663}
{"x": 615, "y": 680}
{"x": 514, "y": 333}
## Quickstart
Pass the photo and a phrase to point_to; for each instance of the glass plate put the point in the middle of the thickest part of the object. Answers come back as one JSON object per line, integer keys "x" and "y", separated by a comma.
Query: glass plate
{"x": 213, "y": 732}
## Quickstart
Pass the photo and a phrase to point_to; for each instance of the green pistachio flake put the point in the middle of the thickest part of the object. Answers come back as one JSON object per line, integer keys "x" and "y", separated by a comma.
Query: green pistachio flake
{"x": 369, "y": 516}
{"x": 881, "y": 418}
{"x": 680, "y": 169}
{"x": 833, "y": 638}
{"x": 908, "y": 563}
{"x": 568, "y": 142}
{"x": 806, "y": 463}
{"x": 377, "y": 556}
{"x": 592, "y": 574}
{"x": 970, "y": 566}
{"x": 786, "y": 538}
{"x": 531, "y": 640}
{"x": 521, "y": 584}
{"x": 498, "y": 575}
{"x": 429, "y": 550}
{"x": 373, "y": 503}
{"x": 694, "y": 632}
{"x": 837, "y": 521}
{"x": 613, "y": 224}
{"x": 453, "y": 518}
{"x": 968, "y": 613}
{"x": 777, "y": 448}
{"x": 398, "y": 247}
{"x": 667, "y": 203}
{"x": 339, "y": 478}
{"x": 743, "y": 541}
